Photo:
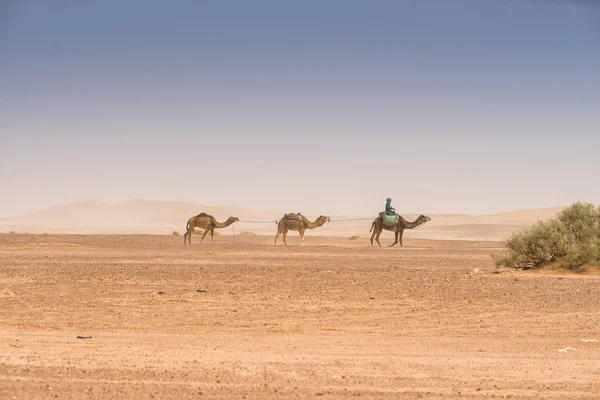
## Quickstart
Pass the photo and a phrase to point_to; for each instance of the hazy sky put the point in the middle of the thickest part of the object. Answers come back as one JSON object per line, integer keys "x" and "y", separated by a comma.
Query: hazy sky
{"x": 462, "y": 106}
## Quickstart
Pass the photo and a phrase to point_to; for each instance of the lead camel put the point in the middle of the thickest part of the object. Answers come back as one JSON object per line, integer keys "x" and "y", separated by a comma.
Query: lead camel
{"x": 398, "y": 228}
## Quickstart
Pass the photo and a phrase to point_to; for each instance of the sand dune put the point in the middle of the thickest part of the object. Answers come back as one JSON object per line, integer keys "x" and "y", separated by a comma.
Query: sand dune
{"x": 163, "y": 217}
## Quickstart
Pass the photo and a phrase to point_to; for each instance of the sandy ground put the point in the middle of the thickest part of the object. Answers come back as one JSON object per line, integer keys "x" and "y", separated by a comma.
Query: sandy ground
{"x": 335, "y": 319}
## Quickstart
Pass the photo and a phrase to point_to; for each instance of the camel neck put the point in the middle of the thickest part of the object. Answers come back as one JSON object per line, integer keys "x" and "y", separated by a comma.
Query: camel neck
{"x": 311, "y": 224}
{"x": 413, "y": 224}
{"x": 223, "y": 224}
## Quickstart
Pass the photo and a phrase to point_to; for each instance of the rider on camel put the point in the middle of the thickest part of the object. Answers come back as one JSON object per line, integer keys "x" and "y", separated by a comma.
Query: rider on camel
{"x": 389, "y": 210}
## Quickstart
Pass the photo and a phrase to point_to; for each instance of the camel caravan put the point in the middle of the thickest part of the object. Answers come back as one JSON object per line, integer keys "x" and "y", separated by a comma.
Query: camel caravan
{"x": 387, "y": 220}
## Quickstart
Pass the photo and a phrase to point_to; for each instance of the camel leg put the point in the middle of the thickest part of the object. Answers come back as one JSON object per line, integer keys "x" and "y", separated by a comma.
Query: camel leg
{"x": 204, "y": 235}
{"x": 283, "y": 237}
{"x": 188, "y": 235}
{"x": 212, "y": 235}
{"x": 395, "y": 239}
{"x": 400, "y": 234}
{"x": 377, "y": 237}
{"x": 373, "y": 236}
{"x": 301, "y": 238}
{"x": 277, "y": 234}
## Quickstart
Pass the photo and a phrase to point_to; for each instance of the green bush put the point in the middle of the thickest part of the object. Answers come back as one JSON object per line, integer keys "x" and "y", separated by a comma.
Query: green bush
{"x": 572, "y": 239}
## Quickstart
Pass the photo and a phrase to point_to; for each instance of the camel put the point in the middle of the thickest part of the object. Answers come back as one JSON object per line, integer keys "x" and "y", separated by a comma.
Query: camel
{"x": 377, "y": 227}
{"x": 206, "y": 222}
{"x": 291, "y": 222}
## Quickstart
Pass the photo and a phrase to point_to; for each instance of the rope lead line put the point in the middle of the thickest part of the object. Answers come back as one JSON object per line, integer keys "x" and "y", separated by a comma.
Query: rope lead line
{"x": 332, "y": 221}
{"x": 351, "y": 220}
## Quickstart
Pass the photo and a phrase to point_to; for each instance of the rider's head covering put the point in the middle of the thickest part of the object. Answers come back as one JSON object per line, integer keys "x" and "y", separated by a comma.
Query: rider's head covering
{"x": 388, "y": 199}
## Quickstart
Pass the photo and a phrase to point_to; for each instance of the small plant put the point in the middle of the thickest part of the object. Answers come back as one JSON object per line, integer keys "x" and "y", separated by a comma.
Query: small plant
{"x": 12, "y": 233}
{"x": 354, "y": 237}
{"x": 176, "y": 233}
{"x": 571, "y": 241}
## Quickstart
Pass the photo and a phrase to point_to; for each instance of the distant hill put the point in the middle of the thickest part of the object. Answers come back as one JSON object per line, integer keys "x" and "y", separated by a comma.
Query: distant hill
{"x": 135, "y": 216}
{"x": 163, "y": 217}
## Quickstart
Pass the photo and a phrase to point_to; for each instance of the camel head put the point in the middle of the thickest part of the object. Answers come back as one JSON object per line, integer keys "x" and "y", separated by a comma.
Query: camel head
{"x": 423, "y": 218}
{"x": 322, "y": 219}
{"x": 233, "y": 219}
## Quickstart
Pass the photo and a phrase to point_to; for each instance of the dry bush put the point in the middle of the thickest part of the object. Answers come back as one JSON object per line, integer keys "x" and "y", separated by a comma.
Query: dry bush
{"x": 176, "y": 233}
{"x": 354, "y": 237}
{"x": 12, "y": 233}
{"x": 572, "y": 240}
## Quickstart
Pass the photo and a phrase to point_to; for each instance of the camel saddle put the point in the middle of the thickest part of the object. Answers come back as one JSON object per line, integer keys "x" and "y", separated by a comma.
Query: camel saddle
{"x": 293, "y": 216}
{"x": 389, "y": 220}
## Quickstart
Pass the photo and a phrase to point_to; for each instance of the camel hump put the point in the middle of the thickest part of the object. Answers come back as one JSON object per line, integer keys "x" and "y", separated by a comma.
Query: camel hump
{"x": 293, "y": 216}
{"x": 202, "y": 214}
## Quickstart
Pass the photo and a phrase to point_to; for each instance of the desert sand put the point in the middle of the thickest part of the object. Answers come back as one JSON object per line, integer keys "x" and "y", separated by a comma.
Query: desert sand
{"x": 246, "y": 319}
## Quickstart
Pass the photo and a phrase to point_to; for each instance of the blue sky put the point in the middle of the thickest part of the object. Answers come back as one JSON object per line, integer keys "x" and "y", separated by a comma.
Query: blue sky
{"x": 468, "y": 106}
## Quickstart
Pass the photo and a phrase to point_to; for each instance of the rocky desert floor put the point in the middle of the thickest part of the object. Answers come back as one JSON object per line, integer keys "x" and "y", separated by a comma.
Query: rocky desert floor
{"x": 246, "y": 319}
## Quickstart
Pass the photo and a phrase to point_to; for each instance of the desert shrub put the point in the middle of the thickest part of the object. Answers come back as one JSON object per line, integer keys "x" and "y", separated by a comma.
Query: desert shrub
{"x": 175, "y": 233}
{"x": 572, "y": 239}
{"x": 354, "y": 237}
{"x": 12, "y": 233}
